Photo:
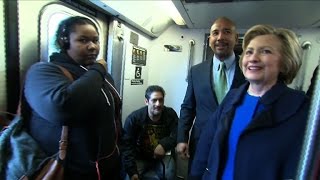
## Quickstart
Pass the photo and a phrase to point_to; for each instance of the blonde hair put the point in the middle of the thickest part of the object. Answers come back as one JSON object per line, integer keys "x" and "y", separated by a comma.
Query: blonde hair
{"x": 290, "y": 51}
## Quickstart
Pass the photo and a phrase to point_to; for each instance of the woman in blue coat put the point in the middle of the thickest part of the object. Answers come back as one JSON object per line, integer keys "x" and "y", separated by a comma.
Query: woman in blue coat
{"x": 259, "y": 126}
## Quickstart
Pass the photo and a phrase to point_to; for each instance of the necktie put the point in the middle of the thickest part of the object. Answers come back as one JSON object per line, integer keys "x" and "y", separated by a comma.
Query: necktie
{"x": 220, "y": 82}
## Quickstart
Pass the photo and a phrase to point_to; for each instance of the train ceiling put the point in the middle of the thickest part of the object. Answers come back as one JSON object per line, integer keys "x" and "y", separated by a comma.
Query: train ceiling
{"x": 152, "y": 17}
{"x": 290, "y": 14}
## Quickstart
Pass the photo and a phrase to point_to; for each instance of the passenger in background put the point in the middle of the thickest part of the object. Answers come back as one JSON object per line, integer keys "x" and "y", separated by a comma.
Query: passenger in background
{"x": 150, "y": 135}
{"x": 208, "y": 83}
{"x": 257, "y": 132}
{"x": 89, "y": 105}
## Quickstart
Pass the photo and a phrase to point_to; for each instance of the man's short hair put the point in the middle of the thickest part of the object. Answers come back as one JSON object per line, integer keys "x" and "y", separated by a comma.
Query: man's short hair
{"x": 153, "y": 88}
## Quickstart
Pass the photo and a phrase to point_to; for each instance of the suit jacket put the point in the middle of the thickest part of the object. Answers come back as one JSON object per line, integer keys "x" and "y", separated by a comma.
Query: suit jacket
{"x": 200, "y": 100}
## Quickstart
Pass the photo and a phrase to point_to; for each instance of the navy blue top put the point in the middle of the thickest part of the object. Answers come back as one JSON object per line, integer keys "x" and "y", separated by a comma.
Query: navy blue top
{"x": 243, "y": 115}
{"x": 268, "y": 148}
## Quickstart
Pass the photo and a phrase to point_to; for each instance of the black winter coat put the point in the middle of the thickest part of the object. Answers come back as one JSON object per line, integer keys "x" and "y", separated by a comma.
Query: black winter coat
{"x": 89, "y": 105}
{"x": 133, "y": 137}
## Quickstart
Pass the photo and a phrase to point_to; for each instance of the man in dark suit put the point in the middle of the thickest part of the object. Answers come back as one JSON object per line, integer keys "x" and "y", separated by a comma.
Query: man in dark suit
{"x": 202, "y": 95}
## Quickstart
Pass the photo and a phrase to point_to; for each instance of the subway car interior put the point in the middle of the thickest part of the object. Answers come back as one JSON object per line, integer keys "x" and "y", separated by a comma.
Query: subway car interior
{"x": 147, "y": 42}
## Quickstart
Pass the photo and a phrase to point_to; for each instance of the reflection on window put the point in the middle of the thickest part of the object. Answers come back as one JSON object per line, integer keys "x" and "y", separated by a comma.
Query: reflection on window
{"x": 54, "y": 21}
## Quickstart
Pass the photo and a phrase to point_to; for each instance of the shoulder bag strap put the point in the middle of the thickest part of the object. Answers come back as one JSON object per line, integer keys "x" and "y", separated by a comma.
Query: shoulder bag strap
{"x": 63, "y": 143}
{"x": 65, "y": 72}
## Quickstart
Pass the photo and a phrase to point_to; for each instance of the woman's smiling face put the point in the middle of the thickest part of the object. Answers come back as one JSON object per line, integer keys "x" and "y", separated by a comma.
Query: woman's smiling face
{"x": 262, "y": 59}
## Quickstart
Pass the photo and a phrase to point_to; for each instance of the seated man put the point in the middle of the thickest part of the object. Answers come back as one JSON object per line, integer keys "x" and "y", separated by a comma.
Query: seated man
{"x": 149, "y": 136}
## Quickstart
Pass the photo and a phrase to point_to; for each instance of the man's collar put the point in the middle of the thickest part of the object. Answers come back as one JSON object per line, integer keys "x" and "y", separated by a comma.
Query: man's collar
{"x": 228, "y": 61}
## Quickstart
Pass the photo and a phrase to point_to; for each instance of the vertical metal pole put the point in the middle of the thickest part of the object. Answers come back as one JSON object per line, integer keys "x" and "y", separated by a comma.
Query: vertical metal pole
{"x": 309, "y": 159}
{"x": 190, "y": 58}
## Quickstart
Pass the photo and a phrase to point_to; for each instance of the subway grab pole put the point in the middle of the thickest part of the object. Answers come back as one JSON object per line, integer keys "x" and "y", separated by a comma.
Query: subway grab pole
{"x": 190, "y": 58}
{"x": 309, "y": 163}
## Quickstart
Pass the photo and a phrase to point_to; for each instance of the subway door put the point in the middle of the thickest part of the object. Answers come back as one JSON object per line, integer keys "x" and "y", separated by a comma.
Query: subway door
{"x": 135, "y": 71}
{"x": 115, "y": 57}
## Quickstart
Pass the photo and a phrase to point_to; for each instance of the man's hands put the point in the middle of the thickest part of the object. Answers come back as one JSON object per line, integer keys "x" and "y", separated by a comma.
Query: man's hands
{"x": 183, "y": 150}
{"x": 159, "y": 152}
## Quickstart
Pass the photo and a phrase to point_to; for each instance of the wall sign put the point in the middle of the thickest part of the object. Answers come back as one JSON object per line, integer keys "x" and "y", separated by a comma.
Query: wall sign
{"x": 137, "y": 74}
{"x": 139, "y": 56}
{"x": 136, "y": 81}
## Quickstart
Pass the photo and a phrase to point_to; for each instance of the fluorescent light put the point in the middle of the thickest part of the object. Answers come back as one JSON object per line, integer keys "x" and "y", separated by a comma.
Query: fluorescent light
{"x": 139, "y": 11}
{"x": 172, "y": 11}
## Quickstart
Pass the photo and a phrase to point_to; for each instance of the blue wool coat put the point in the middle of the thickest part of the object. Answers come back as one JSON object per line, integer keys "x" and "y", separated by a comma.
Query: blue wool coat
{"x": 269, "y": 147}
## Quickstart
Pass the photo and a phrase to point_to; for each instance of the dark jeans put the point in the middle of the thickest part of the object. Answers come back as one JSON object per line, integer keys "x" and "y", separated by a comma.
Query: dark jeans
{"x": 153, "y": 169}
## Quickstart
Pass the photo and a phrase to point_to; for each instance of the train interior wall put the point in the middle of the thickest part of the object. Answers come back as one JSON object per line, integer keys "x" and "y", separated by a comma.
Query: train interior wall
{"x": 165, "y": 68}
{"x": 168, "y": 69}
